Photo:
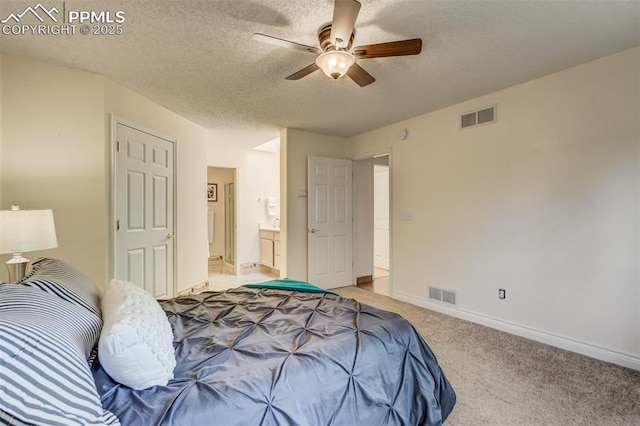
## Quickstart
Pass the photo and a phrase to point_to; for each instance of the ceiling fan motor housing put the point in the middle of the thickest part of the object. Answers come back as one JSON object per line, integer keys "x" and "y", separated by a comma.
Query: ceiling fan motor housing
{"x": 324, "y": 38}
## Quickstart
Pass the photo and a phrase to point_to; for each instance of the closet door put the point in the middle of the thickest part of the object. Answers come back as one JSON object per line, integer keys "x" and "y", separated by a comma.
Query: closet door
{"x": 144, "y": 210}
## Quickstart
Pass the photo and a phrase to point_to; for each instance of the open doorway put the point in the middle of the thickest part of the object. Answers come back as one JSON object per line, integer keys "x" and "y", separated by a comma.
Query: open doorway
{"x": 252, "y": 176}
{"x": 372, "y": 233}
{"x": 381, "y": 225}
{"x": 221, "y": 220}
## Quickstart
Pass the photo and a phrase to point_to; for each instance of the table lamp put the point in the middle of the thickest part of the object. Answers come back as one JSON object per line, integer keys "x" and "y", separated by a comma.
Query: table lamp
{"x": 23, "y": 231}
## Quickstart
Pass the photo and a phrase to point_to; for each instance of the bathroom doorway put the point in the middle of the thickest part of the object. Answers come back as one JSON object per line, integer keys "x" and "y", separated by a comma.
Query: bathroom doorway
{"x": 221, "y": 211}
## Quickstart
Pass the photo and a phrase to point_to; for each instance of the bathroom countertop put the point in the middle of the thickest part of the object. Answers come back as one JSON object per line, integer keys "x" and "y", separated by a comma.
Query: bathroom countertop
{"x": 269, "y": 228}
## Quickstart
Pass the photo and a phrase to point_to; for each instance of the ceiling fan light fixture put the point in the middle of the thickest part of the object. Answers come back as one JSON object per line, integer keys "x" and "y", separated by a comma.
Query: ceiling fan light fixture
{"x": 335, "y": 63}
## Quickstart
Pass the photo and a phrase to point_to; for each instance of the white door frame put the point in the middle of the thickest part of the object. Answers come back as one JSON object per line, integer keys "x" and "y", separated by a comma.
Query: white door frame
{"x": 380, "y": 242}
{"x": 384, "y": 151}
{"x": 235, "y": 267}
{"x": 115, "y": 120}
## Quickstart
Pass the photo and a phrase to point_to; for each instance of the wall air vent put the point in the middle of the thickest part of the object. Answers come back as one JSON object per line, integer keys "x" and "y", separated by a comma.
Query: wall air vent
{"x": 449, "y": 297}
{"x": 480, "y": 116}
{"x": 446, "y": 296}
{"x": 435, "y": 293}
{"x": 468, "y": 120}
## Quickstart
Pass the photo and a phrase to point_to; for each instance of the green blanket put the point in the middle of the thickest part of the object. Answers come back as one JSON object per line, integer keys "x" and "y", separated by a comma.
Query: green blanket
{"x": 292, "y": 285}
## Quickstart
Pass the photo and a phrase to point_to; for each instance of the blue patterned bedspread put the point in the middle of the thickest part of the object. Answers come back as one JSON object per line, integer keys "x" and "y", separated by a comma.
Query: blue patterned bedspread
{"x": 276, "y": 357}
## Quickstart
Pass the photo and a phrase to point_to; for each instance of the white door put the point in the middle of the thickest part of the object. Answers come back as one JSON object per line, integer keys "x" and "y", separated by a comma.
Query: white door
{"x": 381, "y": 216}
{"x": 144, "y": 193}
{"x": 329, "y": 222}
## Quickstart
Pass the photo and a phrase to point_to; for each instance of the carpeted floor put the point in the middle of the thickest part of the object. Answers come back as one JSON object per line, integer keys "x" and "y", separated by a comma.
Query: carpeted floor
{"x": 502, "y": 379}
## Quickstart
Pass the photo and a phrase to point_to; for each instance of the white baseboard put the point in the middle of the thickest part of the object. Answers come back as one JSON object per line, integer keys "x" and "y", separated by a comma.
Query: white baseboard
{"x": 603, "y": 354}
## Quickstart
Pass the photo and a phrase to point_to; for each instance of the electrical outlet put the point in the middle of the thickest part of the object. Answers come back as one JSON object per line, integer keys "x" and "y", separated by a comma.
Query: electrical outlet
{"x": 502, "y": 293}
{"x": 406, "y": 215}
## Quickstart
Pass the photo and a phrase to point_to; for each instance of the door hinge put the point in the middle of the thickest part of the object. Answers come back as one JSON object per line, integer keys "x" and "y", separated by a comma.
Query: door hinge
{"x": 118, "y": 146}
{"x": 117, "y": 225}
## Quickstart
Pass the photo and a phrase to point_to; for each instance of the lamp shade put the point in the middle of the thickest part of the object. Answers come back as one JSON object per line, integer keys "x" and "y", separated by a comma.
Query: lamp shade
{"x": 26, "y": 230}
{"x": 335, "y": 63}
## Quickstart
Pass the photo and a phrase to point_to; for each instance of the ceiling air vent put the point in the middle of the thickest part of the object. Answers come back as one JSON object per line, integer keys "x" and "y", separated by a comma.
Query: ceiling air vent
{"x": 478, "y": 117}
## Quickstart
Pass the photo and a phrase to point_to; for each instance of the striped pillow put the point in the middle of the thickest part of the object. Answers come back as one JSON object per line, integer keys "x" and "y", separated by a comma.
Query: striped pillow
{"x": 44, "y": 375}
{"x": 60, "y": 278}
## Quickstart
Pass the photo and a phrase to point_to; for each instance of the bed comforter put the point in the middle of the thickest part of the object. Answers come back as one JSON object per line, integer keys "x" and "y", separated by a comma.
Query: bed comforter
{"x": 276, "y": 357}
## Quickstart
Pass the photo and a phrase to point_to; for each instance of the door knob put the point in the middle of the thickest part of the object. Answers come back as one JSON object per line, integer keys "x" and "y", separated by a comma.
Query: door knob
{"x": 313, "y": 231}
{"x": 170, "y": 236}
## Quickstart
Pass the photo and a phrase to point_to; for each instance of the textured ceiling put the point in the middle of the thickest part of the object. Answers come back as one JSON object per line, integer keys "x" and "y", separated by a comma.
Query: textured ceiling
{"x": 198, "y": 59}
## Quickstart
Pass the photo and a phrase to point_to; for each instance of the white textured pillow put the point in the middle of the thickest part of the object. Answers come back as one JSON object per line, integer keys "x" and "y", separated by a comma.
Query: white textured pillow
{"x": 136, "y": 343}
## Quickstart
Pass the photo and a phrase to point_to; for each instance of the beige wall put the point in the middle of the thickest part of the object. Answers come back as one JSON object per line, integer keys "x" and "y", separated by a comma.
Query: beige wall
{"x": 295, "y": 147}
{"x": 544, "y": 203}
{"x": 53, "y": 156}
{"x": 1, "y": 201}
{"x": 55, "y": 153}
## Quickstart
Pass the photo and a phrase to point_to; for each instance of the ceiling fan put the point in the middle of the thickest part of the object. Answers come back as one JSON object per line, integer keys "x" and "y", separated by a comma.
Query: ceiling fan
{"x": 335, "y": 56}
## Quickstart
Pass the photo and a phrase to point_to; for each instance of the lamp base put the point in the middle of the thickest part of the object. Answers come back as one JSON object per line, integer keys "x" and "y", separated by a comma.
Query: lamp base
{"x": 17, "y": 267}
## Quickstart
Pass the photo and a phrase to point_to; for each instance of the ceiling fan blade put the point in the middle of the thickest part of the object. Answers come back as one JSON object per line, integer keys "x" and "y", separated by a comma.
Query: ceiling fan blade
{"x": 345, "y": 13}
{"x": 360, "y": 76}
{"x": 285, "y": 43}
{"x": 303, "y": 72}
{"x": 393, "y": 48}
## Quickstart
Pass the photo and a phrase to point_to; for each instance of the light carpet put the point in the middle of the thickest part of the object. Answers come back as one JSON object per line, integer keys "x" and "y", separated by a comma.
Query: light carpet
{"x": 503, "y": 379}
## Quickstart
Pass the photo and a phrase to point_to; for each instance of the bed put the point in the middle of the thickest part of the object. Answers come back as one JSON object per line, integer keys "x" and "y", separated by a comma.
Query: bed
{"x": 280, "y": 356}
